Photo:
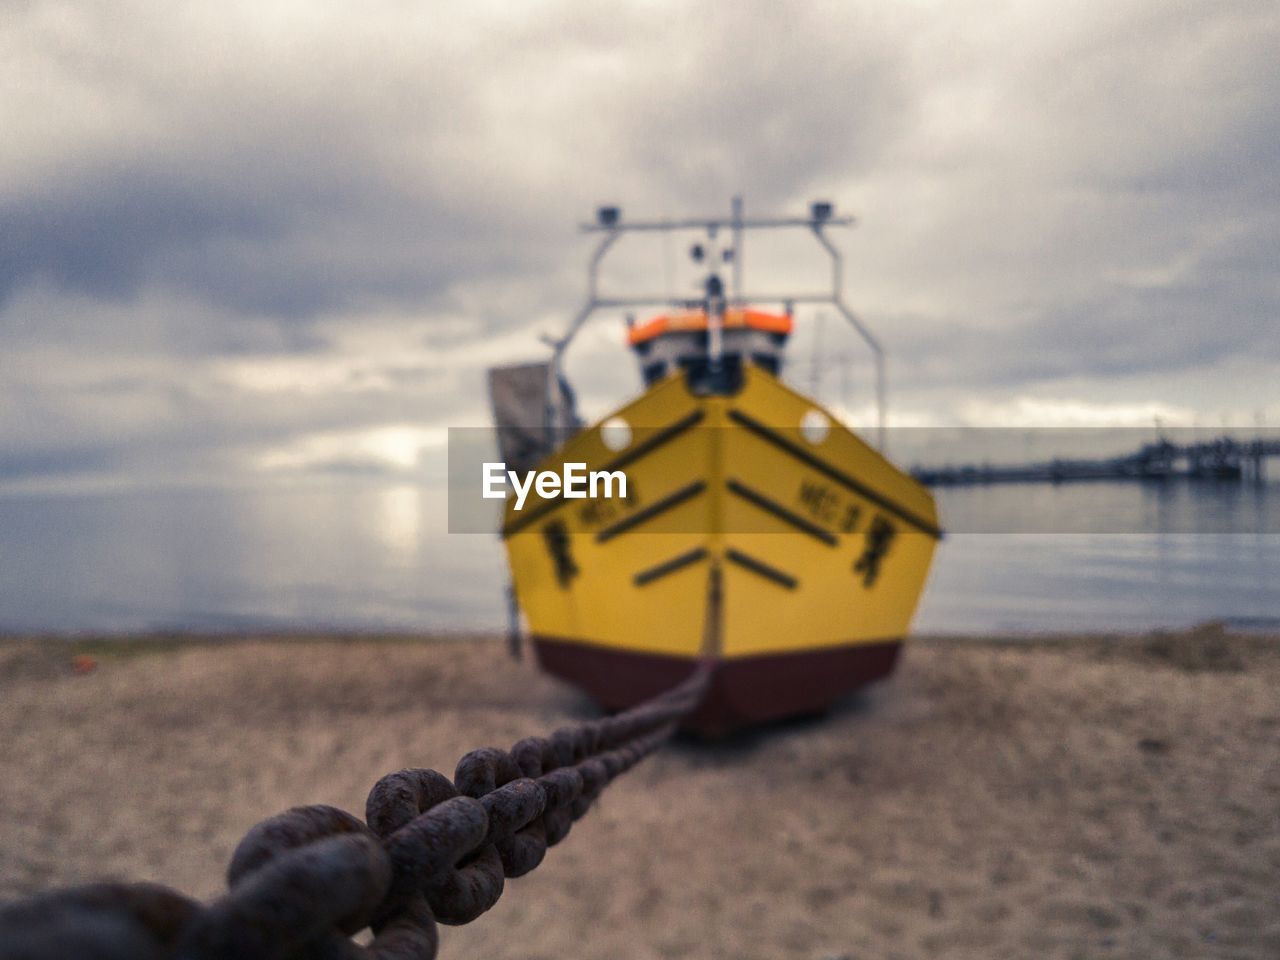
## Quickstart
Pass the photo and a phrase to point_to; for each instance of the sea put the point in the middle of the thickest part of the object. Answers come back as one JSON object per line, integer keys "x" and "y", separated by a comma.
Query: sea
{"x": 365, "y": 556}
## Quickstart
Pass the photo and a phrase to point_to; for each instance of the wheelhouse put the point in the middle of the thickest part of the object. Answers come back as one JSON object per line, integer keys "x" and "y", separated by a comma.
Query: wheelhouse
{"x": 681, "y": 342}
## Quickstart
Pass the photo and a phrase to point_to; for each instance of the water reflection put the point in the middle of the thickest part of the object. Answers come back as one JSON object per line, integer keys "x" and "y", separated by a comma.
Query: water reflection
{"x": 1171, "y": 506}
{"x": 363, "y": 556}
{"x": 398, "y": 521}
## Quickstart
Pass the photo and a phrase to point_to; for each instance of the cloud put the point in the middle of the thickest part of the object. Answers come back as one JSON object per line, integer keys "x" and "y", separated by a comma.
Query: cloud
{"x": 225, "y": 229}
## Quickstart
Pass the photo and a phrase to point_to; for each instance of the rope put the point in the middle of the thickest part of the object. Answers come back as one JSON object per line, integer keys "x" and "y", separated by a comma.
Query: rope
{"x": 430, "y": 850}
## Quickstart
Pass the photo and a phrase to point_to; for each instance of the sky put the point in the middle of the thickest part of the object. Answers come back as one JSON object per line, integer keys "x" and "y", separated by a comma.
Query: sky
{"x": 242, "y": 241}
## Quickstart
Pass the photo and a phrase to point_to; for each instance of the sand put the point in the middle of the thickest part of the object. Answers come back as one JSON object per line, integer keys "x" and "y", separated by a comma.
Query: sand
{"x": 1073, "y": 797}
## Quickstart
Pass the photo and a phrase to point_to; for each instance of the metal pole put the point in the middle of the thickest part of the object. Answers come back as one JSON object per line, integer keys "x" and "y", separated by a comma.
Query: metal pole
{"x": 882, "y": 386}
{"x": 588, "y": 308}
{"x": 513, "y": 623}
{"x": 815, "y": 358}
{"x": 715, "y": 303}
{"x": 706, "y": 223}
{"x": 737, "y": 250}
{"x": 882, "y": 402}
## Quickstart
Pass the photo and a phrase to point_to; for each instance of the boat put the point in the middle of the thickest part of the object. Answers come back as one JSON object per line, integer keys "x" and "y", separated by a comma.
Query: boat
{"x": 755, "y": 531}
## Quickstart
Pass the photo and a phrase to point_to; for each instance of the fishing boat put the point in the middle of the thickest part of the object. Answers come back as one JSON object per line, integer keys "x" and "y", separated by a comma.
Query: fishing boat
{"x": 755, "y": 530}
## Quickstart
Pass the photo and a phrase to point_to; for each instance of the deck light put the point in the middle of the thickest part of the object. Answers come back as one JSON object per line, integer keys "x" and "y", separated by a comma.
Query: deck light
{"x": 608, "y": 216}
{"x": 821, "y": 210}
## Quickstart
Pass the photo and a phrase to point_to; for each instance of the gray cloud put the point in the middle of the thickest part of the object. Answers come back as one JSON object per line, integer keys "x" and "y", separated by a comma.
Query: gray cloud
{"x": 1073, "y": 199}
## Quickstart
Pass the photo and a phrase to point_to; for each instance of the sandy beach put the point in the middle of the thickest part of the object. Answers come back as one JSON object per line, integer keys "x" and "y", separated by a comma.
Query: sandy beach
{"x": 1066, "y": 797}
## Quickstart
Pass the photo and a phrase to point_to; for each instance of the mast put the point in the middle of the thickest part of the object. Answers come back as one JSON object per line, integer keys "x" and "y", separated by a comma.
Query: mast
{"x": 610, "y": 225}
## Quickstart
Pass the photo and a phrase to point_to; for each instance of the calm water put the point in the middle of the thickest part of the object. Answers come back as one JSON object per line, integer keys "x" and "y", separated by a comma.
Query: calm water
{"x": 368, "y": 557}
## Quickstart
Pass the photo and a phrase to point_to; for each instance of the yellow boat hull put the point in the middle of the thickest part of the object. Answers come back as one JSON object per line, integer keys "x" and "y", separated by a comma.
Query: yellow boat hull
{"x": 793, "y": 557}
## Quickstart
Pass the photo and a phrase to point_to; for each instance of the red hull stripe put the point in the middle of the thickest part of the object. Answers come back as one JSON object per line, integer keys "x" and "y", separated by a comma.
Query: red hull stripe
{"x": 744, "y": 691}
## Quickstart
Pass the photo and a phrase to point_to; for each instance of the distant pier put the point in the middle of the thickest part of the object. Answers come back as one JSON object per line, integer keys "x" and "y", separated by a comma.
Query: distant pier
{"x": 1222, "y": 458}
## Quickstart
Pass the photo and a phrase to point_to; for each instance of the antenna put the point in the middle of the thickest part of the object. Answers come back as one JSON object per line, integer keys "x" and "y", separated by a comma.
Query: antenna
{"x": 815, "y": 359}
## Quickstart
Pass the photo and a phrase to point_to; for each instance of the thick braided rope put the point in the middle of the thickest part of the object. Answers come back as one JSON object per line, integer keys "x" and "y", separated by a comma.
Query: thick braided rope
{"x": 430, "y": 850}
